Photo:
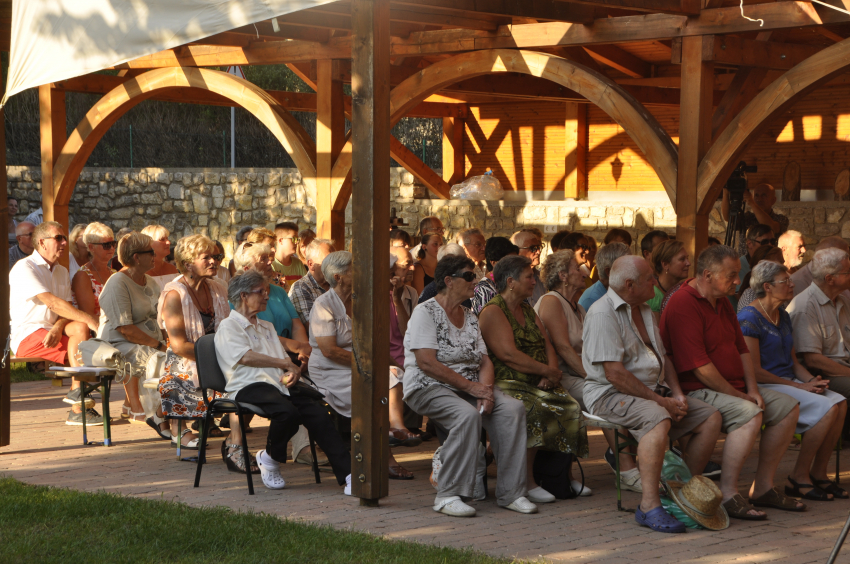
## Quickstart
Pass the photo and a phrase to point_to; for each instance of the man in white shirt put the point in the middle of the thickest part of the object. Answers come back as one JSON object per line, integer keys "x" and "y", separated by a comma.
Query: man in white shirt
{"x": 44, "y": 323}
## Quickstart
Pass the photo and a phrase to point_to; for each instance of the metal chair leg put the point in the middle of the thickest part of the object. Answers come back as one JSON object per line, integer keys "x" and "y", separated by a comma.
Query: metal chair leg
{"x": 315, "y": 460}
{"x": 245, "y": 455}
{"x": 83, "y": 394}
{"x": 105, "y": 388}
{"x": 179, "y": 437}
{"x": 202, "y": 445}
{"x": 484, "y": 444}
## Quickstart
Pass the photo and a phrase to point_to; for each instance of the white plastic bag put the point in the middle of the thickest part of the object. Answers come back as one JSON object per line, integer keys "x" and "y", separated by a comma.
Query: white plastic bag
{"x": 484, "y": 187}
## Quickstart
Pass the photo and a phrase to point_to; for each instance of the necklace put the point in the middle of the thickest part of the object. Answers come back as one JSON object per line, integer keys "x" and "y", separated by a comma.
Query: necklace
{"x": 101, "y": 277}
{"x": 566, "y": 299}
{"x": 767, "y": 314}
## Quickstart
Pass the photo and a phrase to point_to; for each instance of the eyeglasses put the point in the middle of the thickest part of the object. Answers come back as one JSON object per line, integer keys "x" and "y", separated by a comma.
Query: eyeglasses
{"x": 763, "y": 242}
{"x": 219, "y": 256}
{"x": 108, "y": 244}
{"x": 260, "y": 292}
{"x": 57, "y": 238}
{"x": 467, "y": 275}
{"x": 841, "y": 273}
{"x": 294, "y": 239}
{"x": 533, "y": 248}
{"x": 778, "y": 282}
{"x": 148, "y": 252}
{"x": 26, "y": 234}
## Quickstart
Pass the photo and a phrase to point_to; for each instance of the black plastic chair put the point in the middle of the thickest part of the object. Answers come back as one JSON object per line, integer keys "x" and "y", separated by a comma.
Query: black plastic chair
{"x": 212, "y": 378}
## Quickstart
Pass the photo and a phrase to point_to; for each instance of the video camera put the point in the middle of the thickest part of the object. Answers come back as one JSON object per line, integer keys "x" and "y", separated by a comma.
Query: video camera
{"x": 737, "y": 185}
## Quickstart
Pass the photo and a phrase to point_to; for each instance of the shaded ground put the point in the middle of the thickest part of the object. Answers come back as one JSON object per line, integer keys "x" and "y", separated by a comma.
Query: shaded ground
{"x": 45, "y": 451}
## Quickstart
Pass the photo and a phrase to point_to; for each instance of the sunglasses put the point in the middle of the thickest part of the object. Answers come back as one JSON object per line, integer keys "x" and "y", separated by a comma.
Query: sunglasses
{"x": 763, "y": 242}
{"x": 294, "y": 239}
{"x": 219, "y": 256}
{"x": 148, "y": 252}
{"x": 108, "y": 244}
{"x": 57, "y": 238}
{"x": 467, "y": 275}
{"x": 534, "y": 248}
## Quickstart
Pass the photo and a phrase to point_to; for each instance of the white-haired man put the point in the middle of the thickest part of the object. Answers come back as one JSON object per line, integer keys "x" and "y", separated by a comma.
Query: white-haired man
{"x": 820, "y": 315}
{"x": 793, "y": 249}
{"x": 473, "y": 242}
{"x": 44, "y": 323}
{"x": 631, "y": 383}
{"x": 802, "y": 279}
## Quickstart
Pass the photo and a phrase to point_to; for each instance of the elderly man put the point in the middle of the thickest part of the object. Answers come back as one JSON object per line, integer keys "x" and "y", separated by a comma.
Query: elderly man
{"x": 25, "y": 246}
{"x": 802, "y": 279}
{"x": 530, "y": 246}
{"x": 629, "y": 382}
{"x": 757, "y": 236}
{"x": 761, "y": 201}
{"x": 306, "y": 289}
{"x": 820, "y": 315}
{"x": 44, "y": 323}
{"x": 703, "y": 338}
{"x": 793, "y": 249}
{"x": 427, "y": 225}
{"x": 472, "y": 240}
{"x": 258, "y": 371}
{"x": 604, "y": 261}
{"x": 650, "y": 241}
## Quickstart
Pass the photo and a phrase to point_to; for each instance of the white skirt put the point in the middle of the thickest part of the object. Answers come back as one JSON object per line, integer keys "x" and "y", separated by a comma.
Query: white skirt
{"x": 812, "y": 406}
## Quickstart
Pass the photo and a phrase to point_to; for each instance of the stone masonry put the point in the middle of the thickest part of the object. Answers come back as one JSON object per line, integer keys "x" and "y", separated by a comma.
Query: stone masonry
{"x": 218, "y": 202}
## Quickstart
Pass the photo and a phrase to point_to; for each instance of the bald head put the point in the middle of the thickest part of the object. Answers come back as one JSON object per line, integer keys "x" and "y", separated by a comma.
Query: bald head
{"x": 404, "y": 260}
{"x": 833, "y": 242}
{"x": 529, "y": 245}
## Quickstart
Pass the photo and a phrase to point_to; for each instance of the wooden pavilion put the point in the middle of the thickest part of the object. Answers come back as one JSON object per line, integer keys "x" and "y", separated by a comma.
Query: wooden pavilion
{"x": 731, "y": 68}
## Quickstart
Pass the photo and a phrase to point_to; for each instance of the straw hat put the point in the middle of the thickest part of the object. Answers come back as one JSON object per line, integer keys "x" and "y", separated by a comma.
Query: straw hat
{"x": 702, "y": 500}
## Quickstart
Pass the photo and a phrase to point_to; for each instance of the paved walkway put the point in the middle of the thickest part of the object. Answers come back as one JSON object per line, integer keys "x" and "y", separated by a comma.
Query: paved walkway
{"x": 47, "y": 452}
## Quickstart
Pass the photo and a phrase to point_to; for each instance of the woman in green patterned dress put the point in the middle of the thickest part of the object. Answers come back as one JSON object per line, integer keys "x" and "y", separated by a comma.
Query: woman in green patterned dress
{"x": 526, "y": 367}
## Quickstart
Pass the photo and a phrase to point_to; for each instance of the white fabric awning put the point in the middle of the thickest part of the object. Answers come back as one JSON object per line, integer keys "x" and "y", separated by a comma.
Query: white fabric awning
{"x": 55, "y": 40}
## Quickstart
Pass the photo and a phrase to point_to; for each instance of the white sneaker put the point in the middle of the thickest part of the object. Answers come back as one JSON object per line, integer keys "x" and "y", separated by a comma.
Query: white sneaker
{"x": 539, "y": 495}
{"x": 630, "y": 480}
{"x": 270, "y": 472}
{"x": 582, "y": 491}
{"x": 453, "y": 506}
{"x": 347, "y": 490}
{"x": 522, "y": 505}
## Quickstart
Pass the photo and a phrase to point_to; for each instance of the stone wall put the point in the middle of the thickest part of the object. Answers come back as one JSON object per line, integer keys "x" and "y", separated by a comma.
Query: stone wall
{"x": 218, "y": 202}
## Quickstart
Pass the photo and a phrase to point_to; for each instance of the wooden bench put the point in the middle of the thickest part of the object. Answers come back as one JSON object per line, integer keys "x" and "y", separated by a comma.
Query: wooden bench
{"x": 58, "y": 378}
{"x": 90, "y": 379}
{"x": 622, "y": 440}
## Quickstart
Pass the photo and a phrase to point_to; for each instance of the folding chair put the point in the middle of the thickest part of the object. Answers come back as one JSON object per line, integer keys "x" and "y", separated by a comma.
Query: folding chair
{"x": 620, "y": 434}
{"x": 212, "y": 378}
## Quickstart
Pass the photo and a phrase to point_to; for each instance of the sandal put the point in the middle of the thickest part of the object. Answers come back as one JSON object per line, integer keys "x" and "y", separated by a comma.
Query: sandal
{"x": 398, "y": 472}
{"x": 191, "y": 445}
{"x": 777, "y": 500}
{"x": 814, "y": 493}
{"x": 125, "y": 412}
{"x": 830, "y": 487}
{"x": 138, "y": 418}
{"x": 737, "y": 508}
{"x": 659, "y": 521}
{"x": 235, "y": 462}
{"x": 403, "y": 437}
{"x": 154, "y": 423}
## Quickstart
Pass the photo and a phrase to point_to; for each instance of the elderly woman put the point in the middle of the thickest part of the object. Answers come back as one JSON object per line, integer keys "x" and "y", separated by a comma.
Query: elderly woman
{"x": 747, "y": 293}
{"x": 526, "y": 367}
{"x": 190, "y": 307}
{"x": 495, "y": 250}
{"x": 330, "y": 362}
{"x": 258, "y": 371}
{"x": 426, "y": 260}
{"x": 162, "y": 271}
{"x": 263, "y": 236}
{"x": 279, "y": 310}
{"x": 128, "y": 322}
{"x": 671, "y": 264}
{"x": 78, "y": 252}
{"x": 767, "y": 330}
{"x": 449, "y": 378}
{"x": 88, "y": 282}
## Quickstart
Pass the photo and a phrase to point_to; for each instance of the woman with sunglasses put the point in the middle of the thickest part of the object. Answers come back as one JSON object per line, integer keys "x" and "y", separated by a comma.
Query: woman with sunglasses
{"x": 526, "y": 367}
{"x": 128, "y": 322}
{"x": 88, "y": 282}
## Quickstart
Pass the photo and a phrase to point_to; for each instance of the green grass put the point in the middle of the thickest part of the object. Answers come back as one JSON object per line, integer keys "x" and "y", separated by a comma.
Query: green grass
{"x": 20, "y": 373}
{"x": 42, "y": 524}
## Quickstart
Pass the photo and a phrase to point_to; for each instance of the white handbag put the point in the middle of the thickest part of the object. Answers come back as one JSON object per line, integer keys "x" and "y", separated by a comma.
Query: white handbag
{"x": 101, "y": 354}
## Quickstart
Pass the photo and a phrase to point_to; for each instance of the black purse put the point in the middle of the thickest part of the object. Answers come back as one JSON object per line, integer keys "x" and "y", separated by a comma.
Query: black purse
{"x": 551, "y": 472}
{"x": 307, "y": 391}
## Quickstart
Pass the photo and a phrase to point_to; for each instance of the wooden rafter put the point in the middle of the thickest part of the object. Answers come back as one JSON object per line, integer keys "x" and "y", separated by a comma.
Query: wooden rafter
{"x": 736, "y": 51}
{"x": 620, "y": 60}
{"x": 687, "y": 7}
{"x": 537, "y": 9}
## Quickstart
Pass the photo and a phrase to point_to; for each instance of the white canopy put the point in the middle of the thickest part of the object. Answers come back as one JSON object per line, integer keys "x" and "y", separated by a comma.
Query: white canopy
{"x": 55, "y": 40}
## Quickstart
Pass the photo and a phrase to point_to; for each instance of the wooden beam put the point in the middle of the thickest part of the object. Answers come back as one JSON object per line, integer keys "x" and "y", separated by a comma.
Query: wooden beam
{"x": 413, "y": 164}
{"x": 5, "y": 377}
{"x": 53, "y": 132}
{"x": 330, "y": 137}
{"x": 575, "y": 151}
{"x": 620, "y": 60}
{"x": 694, "y": 141}
{"x": 687, "y": 7}
{"x": 370, "y": 170}
{"x": 730, "y": 50}
{"x": 454, "y": 158}
{"x": 537, "y": 9}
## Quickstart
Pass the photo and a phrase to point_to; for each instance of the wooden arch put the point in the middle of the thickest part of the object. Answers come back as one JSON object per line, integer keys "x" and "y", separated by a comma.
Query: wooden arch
{"x": 655, "y": 143}
{"x": 118, "y": 101}
{"x": 755, "y": 118}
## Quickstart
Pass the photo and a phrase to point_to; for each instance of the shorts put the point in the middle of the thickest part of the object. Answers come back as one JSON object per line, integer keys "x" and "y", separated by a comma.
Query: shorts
{"x": 737, "y": 412}
{"x": 640, "y": 416}
{"x": 32, "y": 346}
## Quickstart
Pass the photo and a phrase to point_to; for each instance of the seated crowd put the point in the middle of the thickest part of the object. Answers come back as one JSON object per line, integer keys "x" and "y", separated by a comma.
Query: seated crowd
{"x": 494, "y": 334}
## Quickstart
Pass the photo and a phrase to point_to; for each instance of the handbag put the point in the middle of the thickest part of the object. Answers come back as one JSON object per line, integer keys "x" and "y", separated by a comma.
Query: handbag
{"x": 305, "y": 390}
{"x": 551, "y": 472}
{"x": 101, "y": 354}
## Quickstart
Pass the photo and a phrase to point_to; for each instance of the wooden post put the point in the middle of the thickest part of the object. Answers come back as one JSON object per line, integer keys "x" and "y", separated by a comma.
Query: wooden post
{"x": 330, "y": 138}
{"x": 52, "y": 119}
{"x": 575, "y": 151}
{"x": 5, "y": 380}
{"x": 694, "y": 140}
{"x": 454, "y": 158}
{"x": 370, "y": 119}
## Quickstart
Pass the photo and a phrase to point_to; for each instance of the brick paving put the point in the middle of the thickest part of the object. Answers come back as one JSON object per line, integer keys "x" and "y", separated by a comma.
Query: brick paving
{"x": 44, "y": 451}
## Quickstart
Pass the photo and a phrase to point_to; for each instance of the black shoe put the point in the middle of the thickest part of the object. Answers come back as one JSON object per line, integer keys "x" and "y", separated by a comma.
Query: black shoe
{"x": 712, "y": 470}
{"x": 609, "y": 458}
{"x": 73, "y": 398}
{"x": 93, "y": 418}
{"x": 424, "y": 435}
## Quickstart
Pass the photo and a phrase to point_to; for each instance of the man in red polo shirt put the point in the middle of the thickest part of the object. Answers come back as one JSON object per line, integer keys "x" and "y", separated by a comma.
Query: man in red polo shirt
{"x": 702, "y": 337}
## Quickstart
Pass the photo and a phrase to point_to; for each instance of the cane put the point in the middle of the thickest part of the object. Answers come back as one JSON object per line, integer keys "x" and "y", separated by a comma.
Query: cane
{"x": 839, "y": 542}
